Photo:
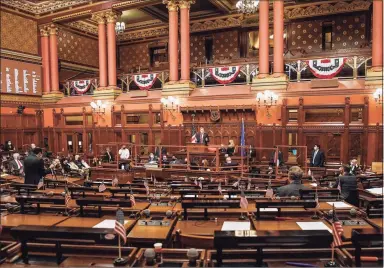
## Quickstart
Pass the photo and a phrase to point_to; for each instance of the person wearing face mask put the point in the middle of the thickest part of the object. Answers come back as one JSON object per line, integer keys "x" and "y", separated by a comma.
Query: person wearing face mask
{"x": 124, "y": 156}
{"x": 9, "y": 146}
{"x": 355, "y": 168}
{"x": 317, "y": 157}
{"x": 34, "y": 167}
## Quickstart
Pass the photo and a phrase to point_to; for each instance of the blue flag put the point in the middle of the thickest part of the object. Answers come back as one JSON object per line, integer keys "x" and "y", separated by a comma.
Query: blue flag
{"x": 242, "y": 142}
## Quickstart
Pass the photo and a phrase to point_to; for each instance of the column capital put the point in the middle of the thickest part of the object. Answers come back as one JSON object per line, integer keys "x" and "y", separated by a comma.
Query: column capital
{"x": 44, "y": 32}
{"x": 111, "y": 16}
{"x": 171, "y": 5}
{"x": 53, "y": 29}
{"x": 186, "y": 3}
{"x": 99, "y": 18}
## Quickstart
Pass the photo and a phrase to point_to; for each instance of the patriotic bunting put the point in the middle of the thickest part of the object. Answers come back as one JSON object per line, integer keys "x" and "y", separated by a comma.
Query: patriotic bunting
{"x": 326, "y": 68}
{"x": 225, "y": 75}
{"x": 144, "y": 81}
{"x": 81, "y": 86}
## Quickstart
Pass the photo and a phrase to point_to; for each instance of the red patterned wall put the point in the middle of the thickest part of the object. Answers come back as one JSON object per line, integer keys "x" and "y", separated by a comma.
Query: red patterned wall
{"x": 347, "y": 32}
{"x": 134, "y": 56}
{"x": 77, "y": 48}
{"x": 226, "y": 45}
{"x": 197, "y": 49}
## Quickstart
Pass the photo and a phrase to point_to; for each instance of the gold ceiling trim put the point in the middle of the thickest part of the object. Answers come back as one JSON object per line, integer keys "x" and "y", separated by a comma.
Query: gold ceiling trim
{"x": 43, "y": 7}
{"x": 14, "y": 55}
{"x": 135, "y": 2}
{"x": 83, "y": 26}
{"x": 15, "y": 11}
{"x": 77, "y": 67}
{"x": 321, "y": 9}
{"x": 19, "y": 99}
{"x": 72, "y": 15}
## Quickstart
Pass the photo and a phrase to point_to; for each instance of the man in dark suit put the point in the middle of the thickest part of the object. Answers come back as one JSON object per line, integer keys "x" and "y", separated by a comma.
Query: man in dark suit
{"x": 276, "y": 158}
{"x": 317, "y": 157}
{"x": 202, "y": 137}
{"x": 34, "y": 167}
{"x": 347, "y": 184}
{"x": 17, "y": 164}
{"x": 355, "y": 168}
{"x": 293, "y": 189}
{"x": 229, "y": 165}
{"x": 162, "y": 149}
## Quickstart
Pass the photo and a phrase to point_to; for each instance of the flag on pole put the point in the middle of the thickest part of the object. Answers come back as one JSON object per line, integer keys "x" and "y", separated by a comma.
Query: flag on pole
{"x": 200, "y": 185}
{"x": 102, "y": 187}
{"x": 115, "y": 182}
{"x": 193, "y": 132}
{"x": 219, "y": 189}
{"x": 339, "y": 186}
{"x": 40, "y": 184}
{"x": 242, "y": 141}
{"x": 337, "y": 229}
{"x": 146, "y": 187}
{"x": 195, "y": 182}
{"x": 269, "y": 192}
{"x": 154, "y": 180}
{"x": 132, "y": 199}
{"x": 309, "y": 172}
{"x": 243, "y": 201}
{"x": 67, "y": 197}
{"x": 236, "y": 184}
{"x": 249, "y": 186}
{"x": 119, "y": 225}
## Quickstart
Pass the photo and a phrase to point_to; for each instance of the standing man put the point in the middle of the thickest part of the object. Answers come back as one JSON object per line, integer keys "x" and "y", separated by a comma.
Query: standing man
{"x": 202, "y": 137}
{"x": 124, "y": 156}
{"x": 108, "y": 156}
{"x": 347, "y": 185}
{"x": 317, "y": 157}
{"x": 34, "y": 167}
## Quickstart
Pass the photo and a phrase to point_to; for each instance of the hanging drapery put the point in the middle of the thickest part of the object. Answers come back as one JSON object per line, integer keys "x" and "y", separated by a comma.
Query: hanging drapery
{"x": 225, "y": 75}
{"x": 81, "y": 86}
{"x": 144, "y": 81}
{"x": 326, "y": 68}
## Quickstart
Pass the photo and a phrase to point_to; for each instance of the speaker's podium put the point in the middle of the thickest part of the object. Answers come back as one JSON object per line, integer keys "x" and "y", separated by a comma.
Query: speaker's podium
{"x": 196, "y": 147}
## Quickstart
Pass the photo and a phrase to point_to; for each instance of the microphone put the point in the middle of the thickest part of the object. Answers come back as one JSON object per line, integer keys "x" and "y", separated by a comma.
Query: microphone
{"x": 149, "y": 255}
{"x": 192, "y": 255}
{"x": 169, "y": 214}
{"x": 147, "y": 213}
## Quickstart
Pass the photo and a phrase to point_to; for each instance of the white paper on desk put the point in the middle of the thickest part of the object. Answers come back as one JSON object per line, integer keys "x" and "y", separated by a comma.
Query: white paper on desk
{"x": 313, "y": 225}
{"x": 339, "y": 204}
{"x": 236, "y": 226}
{"x": 191, "y": 195}
{"x": 110, "y": 224}
{"x": 313, "y": 184}
{"x": 378, "y": 191}
{"x": 268, "y": 209}
{"x": 232, "y": 196}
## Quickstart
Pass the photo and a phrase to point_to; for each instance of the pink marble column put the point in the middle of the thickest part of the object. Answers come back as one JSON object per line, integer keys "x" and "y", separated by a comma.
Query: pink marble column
{"x": 185, "y": 39}
{"x": 263, "y": 38}
{"x": 377, "y": 34}
{"x": 173, "y": 42}
{"x": 102, "y": 36}
{"x": 278, "y": 37}
{"x": 111, "y": 40}
{"x": 45, "y": 60}
{"x": 54, "y": 58}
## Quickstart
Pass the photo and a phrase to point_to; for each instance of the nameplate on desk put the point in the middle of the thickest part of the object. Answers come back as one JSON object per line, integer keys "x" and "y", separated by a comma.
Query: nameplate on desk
{"x": 153, "y": 223}
{"x": 353, "y": 222}
{"x": 160, "y": 204}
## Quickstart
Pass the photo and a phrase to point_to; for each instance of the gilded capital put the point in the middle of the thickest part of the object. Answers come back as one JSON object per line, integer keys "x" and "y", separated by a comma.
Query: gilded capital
{"x": 171, "y": 4}
{"x": 186, "y": 3}
{"x": 111, "y": 16}
{"x": 44, "y": 32}
{"x": 99, "y": 18}
{"x": 53, "y": 29}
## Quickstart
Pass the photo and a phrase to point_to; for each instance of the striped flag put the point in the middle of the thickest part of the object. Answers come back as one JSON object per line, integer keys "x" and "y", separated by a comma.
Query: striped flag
{"x": 249, "y": 186}
{"x": 236, "y": 184}
{"x": 337, "y": 230}
{"x": 132, "y": 199}
{"x": 200, "y": 185}
{"x": 195, "y": 182}
{"x": 269, "y": 193}
{"x": 242, "y": 137}
{"x": 40, "y": 184}
{"x": 146, "y": 187}
{"x": 119, "y": 226}
{"x": 154, "y": 180}
{"x": 317, "y": 201}
{"x": 67, "y": 198}
{"x": 243, "y": 201}
{"x": 339, "y": 186}
{"x": 115, "y": 182}
{"x": 102, "y": 187}
{"x": 193, "y": 132}
{"x": 219, "y": 189}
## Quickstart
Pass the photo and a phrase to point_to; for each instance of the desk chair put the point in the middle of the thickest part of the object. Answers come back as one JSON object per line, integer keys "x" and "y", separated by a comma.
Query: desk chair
{"x": 194, "y": 241}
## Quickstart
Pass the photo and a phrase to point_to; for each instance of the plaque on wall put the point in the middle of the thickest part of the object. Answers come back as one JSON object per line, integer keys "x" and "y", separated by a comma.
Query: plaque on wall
{"x": 20, "y": 78}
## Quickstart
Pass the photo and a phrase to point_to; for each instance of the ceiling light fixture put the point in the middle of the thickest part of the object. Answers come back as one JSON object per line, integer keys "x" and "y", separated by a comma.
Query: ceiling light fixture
{"x": 247, "y": 6}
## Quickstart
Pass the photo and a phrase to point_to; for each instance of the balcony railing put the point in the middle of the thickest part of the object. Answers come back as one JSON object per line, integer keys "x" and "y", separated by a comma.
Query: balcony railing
{"x": 296, "y": 69}
{"x": 70, "y": 89}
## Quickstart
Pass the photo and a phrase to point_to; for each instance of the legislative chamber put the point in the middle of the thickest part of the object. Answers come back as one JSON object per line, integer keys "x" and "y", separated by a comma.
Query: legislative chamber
{"x": 191, "y": 133}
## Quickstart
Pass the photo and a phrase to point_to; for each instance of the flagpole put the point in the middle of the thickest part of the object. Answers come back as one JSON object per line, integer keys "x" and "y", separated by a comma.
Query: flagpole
{"x": 119, "y": 247}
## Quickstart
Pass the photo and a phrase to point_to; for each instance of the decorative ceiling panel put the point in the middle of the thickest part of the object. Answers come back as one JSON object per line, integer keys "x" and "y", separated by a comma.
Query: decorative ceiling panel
{"x": 42, "y": 7}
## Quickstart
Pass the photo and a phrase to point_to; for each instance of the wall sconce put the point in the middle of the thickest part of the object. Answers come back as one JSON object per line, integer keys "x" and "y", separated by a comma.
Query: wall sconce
{"x": 80, "y": 143}
{"x": 70, "y": 143}
{"x": 267, "y": 99}
{"x": 378, "y": 96}
{"x": 98, "y": 107}
{"x": 170, "y": 104}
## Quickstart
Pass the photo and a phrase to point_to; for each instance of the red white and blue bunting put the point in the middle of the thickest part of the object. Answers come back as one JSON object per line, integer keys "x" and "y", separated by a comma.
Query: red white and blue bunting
{"x": 225, "y": 75}
{"x": 81, "y": 86}
{"x": 144, "y": 81}
{"x": 326, "y": 68}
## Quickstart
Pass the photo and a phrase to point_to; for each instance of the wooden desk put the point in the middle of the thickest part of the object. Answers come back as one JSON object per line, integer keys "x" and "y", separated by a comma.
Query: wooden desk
{"x": 288, "y": 225}
{"x": 90, "y": 222}
{"x": 148, "y": 235}
{"x": 324, "y": 206}
{"x": 203, "y": 228}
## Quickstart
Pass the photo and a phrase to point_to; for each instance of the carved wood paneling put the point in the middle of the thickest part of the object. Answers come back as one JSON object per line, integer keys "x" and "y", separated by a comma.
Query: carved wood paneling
{"x": 355, "y": 144}
{"x": 333, "y": 147}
